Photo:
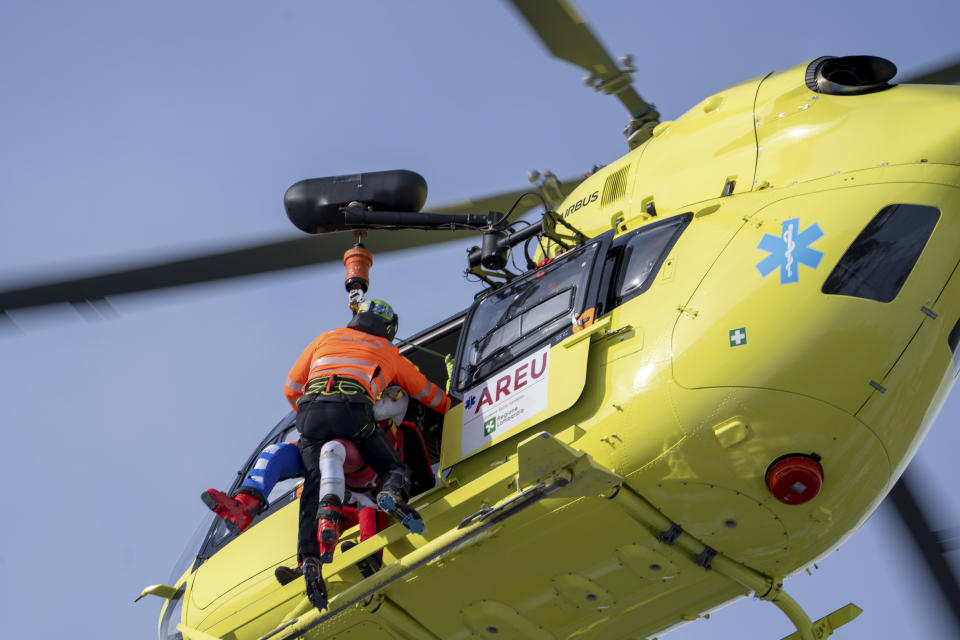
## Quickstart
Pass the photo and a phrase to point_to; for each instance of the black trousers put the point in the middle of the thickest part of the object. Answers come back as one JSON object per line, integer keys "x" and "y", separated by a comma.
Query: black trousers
{"x": 320, "y": 420}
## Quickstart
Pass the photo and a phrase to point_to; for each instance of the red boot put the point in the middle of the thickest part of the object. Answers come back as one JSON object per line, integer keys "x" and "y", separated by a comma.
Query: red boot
{"x": 329, "y": 519}
{"x": 237, "y": 512}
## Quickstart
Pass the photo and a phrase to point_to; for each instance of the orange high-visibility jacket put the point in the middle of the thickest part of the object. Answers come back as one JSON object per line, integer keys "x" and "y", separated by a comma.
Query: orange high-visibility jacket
{"x": 372, "y": 361}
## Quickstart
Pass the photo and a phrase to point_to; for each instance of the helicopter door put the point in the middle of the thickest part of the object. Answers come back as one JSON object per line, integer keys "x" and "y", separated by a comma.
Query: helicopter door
{"x": 517, "y": 363}
{"x": 819, "y": 294}
{"x": 441, "y": 338}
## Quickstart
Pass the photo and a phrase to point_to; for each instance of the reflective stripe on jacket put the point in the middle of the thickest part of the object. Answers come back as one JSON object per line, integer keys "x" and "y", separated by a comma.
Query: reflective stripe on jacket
{"x": 372, "y": 361}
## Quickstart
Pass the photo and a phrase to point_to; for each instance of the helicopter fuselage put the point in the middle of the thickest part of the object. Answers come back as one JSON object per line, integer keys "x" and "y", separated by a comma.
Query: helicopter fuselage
{"x": 801, "y": 298}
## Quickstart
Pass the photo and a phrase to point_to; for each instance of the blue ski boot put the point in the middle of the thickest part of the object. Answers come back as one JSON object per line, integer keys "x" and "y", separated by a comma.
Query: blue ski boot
{"x": 391, "y": 503}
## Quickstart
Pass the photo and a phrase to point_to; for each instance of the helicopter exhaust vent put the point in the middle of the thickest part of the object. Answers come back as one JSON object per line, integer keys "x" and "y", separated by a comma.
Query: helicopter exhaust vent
{"x": 615, "y": 187}
{"x": 849, "y": 75}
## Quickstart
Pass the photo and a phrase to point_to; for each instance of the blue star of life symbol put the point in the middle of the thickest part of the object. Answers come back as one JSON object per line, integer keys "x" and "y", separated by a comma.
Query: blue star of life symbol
{"x": 789, "y": 250}
{"x": 472, "y": 400}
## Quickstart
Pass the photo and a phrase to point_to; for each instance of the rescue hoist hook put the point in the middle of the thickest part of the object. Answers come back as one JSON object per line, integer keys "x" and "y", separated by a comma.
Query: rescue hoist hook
{"x": 357, "y": 261}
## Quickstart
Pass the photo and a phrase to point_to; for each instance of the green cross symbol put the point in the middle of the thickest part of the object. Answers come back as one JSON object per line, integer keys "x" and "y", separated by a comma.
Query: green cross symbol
{"x": 489, "y": 426}
{"x": 738, "y": 337}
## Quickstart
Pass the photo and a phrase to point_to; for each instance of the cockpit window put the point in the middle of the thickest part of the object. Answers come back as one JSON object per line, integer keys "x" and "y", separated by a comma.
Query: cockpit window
{"x": 219, "y": 535}
{"x": 878, "y": 262}
{"x": 524, "y": 313}
{"x": 282, "y": 489}
{"x": 171, "y": 616}
{"x": 285, "y": 485}
{"x": 191, "y": 550}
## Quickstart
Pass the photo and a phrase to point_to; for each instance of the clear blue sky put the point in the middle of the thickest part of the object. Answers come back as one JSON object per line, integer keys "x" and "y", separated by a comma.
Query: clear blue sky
{"x": 130, "y": 130}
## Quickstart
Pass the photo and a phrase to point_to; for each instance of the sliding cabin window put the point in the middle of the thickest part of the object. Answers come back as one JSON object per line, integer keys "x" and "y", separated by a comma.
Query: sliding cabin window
{"x": 878, "y": 262}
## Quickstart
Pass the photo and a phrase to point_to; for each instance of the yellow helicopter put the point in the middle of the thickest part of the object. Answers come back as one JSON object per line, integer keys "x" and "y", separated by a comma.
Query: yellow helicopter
{"x": 655, "y": 427}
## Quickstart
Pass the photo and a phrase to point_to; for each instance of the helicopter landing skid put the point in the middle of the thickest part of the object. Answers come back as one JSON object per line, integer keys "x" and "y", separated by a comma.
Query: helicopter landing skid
{"x": 547, "y": 467}
{"x": 825, "y": 626}
{"x": 368, "y": 590}
{"x": 543, "y": 458}
{"x": 769, "y": 588}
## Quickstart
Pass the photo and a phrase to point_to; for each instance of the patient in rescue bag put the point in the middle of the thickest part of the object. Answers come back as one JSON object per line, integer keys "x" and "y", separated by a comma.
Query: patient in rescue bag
{"x": 344, "y": 473}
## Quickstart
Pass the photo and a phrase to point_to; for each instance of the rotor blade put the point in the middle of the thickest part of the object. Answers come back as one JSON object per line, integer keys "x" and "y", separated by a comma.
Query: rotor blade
{"x": 947, "y": 72}
{"x": 235, "y": 262}
{"x": 567, "y": 36}
{"x": 904, "y": 499}
{"x": 215, "y": 265}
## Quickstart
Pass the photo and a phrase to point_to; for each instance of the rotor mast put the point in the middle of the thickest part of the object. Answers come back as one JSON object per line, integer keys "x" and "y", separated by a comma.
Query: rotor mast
{"x": 566, "y": 34}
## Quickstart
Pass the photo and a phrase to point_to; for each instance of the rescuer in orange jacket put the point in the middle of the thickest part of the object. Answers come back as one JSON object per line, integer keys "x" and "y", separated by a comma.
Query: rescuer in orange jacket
{"x": 332, "y": 387}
